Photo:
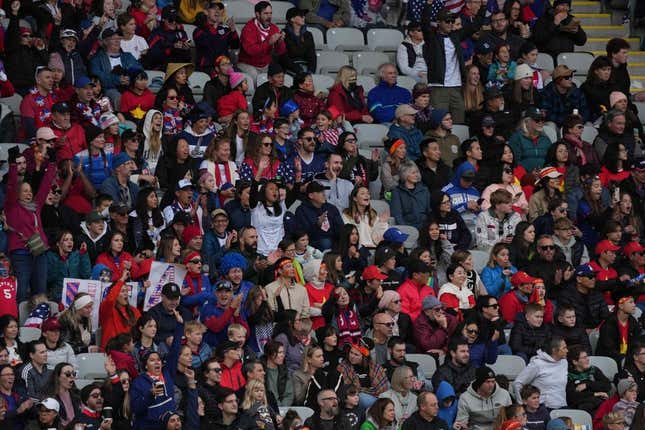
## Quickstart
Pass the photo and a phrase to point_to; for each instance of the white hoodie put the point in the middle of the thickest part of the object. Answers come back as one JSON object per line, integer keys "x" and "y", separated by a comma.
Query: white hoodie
{"x": 549, "y": 376}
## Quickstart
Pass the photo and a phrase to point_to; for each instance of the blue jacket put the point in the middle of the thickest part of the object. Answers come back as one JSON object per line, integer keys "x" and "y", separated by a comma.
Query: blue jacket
{"x": 412, "y": 138}
{"x": 210, "y": 310}
{"x": 75, "y": 266}
{"x": 459, "y": 196}
{"x": 307, "y": 219}
{"x": 495, "y": 282}
{"x": 100, "y": 66}
{"x": 528, "y": 154}
{"x": 448, "y": 414}
{"x": 382, "y": 101}
{"x": 212, "y": 249}
{"x": 200, "y": 297}
{"x": 238, "y": 216}
{"x": 410, "y": 207}
{"x": 559, "y": 106}
{"x": 483, "y": 353}
{"x": 146, "y": 408}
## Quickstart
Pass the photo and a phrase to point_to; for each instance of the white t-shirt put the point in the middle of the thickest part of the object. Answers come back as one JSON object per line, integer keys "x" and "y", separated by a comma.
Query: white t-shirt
{"x": 134, "y": 46}
{"x": 453, "y": 75}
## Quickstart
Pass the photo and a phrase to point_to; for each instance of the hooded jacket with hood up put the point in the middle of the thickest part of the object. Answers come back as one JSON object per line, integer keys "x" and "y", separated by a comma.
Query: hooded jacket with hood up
{"x": 480, "y": 412}
{"x": 460, "y": 196}
{"x": 95, "y": 246}
{"x": 447, "y": 413}
{"x": 148, "y": 156}
{"x": 549, "y": 376}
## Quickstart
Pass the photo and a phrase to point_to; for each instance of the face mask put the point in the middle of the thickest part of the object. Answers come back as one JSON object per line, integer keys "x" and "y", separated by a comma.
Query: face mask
{"x": 105, "y": 213}
{"x": 351, "y": 86}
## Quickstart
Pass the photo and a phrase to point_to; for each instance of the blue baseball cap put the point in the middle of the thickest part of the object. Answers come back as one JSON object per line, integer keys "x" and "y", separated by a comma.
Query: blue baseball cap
{"x": 119, "y": 159}
{"x": 83, "y": 81}
{"x": 585, "y": 270}
{"x": 395, "y": 235}
{"x": 289, "y": 107}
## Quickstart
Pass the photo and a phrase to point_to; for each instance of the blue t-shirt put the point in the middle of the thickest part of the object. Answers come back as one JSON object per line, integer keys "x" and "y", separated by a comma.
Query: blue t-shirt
{"x": 326, "y": 10}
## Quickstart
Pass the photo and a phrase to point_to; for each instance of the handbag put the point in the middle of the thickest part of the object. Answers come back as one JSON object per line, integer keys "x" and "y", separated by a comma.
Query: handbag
{"x": 34, "y": 243}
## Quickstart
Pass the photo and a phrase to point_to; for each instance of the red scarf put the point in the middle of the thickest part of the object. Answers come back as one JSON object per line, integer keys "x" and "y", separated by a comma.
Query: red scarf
{"x": 349, "y": 328}
{"x": 90, "y": 413}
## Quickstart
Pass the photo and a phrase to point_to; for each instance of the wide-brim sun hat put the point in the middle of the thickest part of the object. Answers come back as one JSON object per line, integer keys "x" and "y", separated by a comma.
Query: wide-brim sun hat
{"x": 173, "y": 68}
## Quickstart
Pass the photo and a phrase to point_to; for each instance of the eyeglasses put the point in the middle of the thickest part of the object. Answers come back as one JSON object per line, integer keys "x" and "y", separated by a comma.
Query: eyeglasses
{"x": 562, "y": 210}
{"x": 547, "y": 248}
{"x": 196, "y": 261}
{"x": 215, "y": 369}
{"x": 57, "y": 191}
{"x": 267, "y": 143}
{"x": 508, "y": 171}
{"x": 70, "y": 374}
{"x": 308, "y": 138}
{"x": 472, "y": 331}
{"x": 388, "y": 324}
{"x": 494, "y": 306}
{"x": 350, "y": 140}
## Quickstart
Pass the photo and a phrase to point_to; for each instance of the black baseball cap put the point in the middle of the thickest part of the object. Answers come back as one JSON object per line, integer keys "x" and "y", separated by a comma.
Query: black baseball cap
{"x": 171, "y": 290}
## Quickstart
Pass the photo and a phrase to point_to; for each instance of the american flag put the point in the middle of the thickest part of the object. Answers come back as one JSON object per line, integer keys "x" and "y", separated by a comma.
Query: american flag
{"x": 38, "y": 315}
{"x": 454, "y": 6}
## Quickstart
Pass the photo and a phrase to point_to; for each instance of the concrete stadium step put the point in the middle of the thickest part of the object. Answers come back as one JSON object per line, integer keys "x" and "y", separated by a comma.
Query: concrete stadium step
{"x": 578, "y": 7}
{"x": 596, "y": 31}
{"x": 636, "y": 69}
{"x": 634, "y": 56}
{"x": 599, "y": 43}
{"x": 593, "y": 19}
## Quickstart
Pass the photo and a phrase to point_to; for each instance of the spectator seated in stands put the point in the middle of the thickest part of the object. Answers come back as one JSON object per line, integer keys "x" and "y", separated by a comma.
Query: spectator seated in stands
{"x": 404, "y": 128}
{"x": 529, "y": 332}
{"x": 387, "y": 95}
{"x": 587, "y": 386}
{"x": 567, "y": 327}
{"x": 483, "y": 390}
{"x": 410, "y": 56}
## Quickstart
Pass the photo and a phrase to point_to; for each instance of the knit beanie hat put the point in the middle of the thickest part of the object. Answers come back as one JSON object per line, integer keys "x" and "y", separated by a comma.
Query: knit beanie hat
{"x": 388, "y": 297}
{"x": 108, "y": 119}
{"x": 436, "y": 116}
{"x": 56, "y": 62}
{"x": 625, "y": 385}
{"x": 615, "y": 97}
{"x": 236, "y": 79}
{"x": 481, "y": 375}
{"x": 190, "y": 232}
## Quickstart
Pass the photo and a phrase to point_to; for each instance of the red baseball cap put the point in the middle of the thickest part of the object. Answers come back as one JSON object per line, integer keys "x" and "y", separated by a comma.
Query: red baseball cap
{"x": 520, "y": 278}
{"x": 372, "y": 272}
{"x": 605, "y": 245}
{"x": 632, "y": 247}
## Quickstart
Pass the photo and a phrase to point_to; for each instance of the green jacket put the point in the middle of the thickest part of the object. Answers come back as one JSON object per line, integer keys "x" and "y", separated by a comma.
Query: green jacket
{"x": 312, "y": 6}
{"x": 75, "y": 266}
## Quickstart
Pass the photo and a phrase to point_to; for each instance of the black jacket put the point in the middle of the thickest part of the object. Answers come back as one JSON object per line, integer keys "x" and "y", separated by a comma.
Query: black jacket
{"x": 301, "y": 51}
{"x": 417, "y": 422}
{"x": 591, "y": 309}
{"x": 572, "y": 335}
{"x": 213, "y": 90}
{"x": 265, "y": 90}
{"x": 390, "y": 368}
{"x": 595, "y": 381}
{"x": 20, "y": 60}
{"x": 434, "y": 54}
{"x": 459, "y": 377}
{"x": 541, "y": 268}
{"x": 526, "y": 339}
{"x": 434, "y": 180}
{"x": 609, "y": 340}
{"x": 553, "y": 39}
{"x": 340, "y": 423}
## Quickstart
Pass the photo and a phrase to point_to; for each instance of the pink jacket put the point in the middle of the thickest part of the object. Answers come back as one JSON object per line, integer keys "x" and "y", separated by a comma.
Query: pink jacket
{"x": 255, "y": 48}
{"x": 22, "y": 221}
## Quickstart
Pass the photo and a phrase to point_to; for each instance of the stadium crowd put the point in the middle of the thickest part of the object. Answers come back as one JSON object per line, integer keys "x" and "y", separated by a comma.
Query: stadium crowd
{"x": 305, "y": 283}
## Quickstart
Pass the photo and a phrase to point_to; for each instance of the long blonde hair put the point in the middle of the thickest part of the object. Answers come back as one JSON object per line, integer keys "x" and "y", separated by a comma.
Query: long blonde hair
{"x": 473, "y": 96}
{"x": 249, "y": 398}
{"x": 343, "y": 75}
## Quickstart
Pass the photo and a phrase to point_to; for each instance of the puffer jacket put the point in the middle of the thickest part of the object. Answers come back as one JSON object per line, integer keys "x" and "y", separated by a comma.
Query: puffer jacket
{"x": 410, "y": 206}
{"x": 74, "y": 65}
{"x": 549, "y": 376}
{"x": 595, "y": 381}
{"x": 529, "y": 154}
{"x": 383, "y": 100}
{"x": 411, "y": 136}
{"x": 310, "y": 105}
{"x": 459, "y": 196}
{"x": 527, "y": 340}
{"x": 459, "y": 377}
{"x": 480, "y": 412}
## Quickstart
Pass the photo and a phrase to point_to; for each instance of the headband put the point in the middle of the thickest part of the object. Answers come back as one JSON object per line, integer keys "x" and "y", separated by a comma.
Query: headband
{"x": 284, "y": 263}
{"x": 361, "y": 349}
{"x": 623, "y": 300}
{"x": 395, "y": 145}
{"x": 82, "y": 301}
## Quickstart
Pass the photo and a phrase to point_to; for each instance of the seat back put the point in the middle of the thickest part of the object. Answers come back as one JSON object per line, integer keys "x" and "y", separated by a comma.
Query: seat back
{"x": 545, "y": 61}
{"x": 367, "y": 62}
{"x": 413, "y": 235}
{"x": 551, "y": 131}
{"x": 427, "y": 363}
{"x": 241, "y": 11}
{"x": 345, "y": 39}
{"x": 322, "y": 83}
{"x": 279, "y": 9}
{"x": 189, "y": 29}
{"x": 508, "y": 365}
{"x": 27, "y": 334}
{"x": 461, "y": 131}
{"x": 197, "y": 81}
{"x": 155, "y": 80}
{"x": 384, "y": 39}
{"x": 589, "y": 133}
{"x": 91, "y": 365}
{"x": 579, "y": 61}
{"x": 641, "y": 113}
{"x": 406, "y": 82}
{"x": 319, "y": 37}
{"x": 380, "y": 206}
{"x": 330, "y": 61}
{"x": 607, "y": 365}
{"x": 367, "y": 82}
{"x": 370, "y": 135}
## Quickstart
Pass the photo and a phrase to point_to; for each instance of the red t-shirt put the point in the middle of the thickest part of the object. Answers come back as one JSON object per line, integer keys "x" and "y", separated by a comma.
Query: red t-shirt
{"x": 318, "y": 296}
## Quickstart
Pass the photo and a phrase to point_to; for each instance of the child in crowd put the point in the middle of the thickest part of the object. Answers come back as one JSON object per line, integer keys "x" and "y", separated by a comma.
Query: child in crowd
{"x": 537, "y": 415}
{"x": 529, "y": 332}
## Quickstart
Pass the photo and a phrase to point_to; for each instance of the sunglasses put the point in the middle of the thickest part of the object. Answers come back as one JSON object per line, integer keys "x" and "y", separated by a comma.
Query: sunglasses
{"x": 509, "y": 171}
{"x": 267, "y": 143}
{"x": 387, "y": 324}
{"x": 547, "y": 248}
{"x": 562, "y": 210}
{"x": 308, "y": 138}
{"x": 57, "y": 191}
{"x": 70, "y": 374}
{"x": 216, "y": 370}
{"x": 196, "y": 261}
{"x": 472, "y": 331}
{"x": 171, "y": 97}
{"x": 494, "y": 306}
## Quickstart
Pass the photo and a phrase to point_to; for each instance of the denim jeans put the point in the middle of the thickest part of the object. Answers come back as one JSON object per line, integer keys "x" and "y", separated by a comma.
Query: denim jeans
{"x": 31, "y": 273}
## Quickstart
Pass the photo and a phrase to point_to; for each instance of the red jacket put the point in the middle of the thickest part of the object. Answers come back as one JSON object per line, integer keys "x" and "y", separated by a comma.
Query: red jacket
{"x": 113, "y": 321}
{"x": 255, "y": 48}
{"x": 116, "y": 264}
{"x": 22, "y": 221}
{"x": 411, "y": 297}
{"x": 429, "y": 335}
{"x": 510, "y": 306}
{"x": 338, "y": 98}
{"x": 73, "y": 143}
{"x": 232, "y": 377}
{"x": 229, "y": 103}
{"x": 123, "y": 360}
{"x": 310, "y": 105}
